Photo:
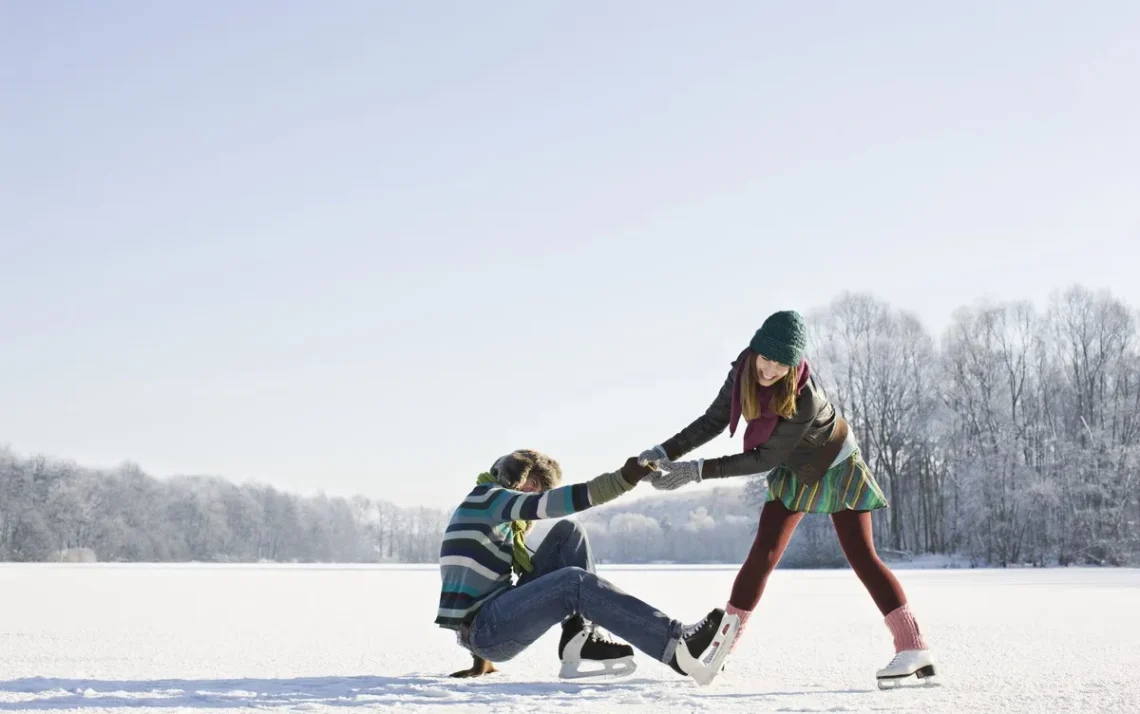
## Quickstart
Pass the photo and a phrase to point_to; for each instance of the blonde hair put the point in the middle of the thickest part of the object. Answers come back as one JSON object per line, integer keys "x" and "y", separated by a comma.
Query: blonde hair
{"x": 783, "y": 398}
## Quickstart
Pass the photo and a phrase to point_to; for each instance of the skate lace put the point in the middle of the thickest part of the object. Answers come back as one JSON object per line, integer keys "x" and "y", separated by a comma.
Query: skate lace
{"x": 690, "y": 630}
{"x": 599, "y": 634}
{"x": 896, "y": 659}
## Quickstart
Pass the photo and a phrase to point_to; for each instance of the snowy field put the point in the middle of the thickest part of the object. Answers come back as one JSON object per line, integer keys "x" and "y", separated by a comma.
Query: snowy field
{"x": 313, "y": 639}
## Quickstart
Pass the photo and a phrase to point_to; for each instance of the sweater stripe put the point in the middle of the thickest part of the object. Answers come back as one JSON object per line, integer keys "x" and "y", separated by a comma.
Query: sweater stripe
{"x": 478, "y": 549}
{"x": 470, "y": 564}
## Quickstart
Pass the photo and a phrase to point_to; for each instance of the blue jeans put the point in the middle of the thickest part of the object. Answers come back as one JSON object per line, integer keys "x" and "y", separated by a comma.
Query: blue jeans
{"x": 562, "y": 584}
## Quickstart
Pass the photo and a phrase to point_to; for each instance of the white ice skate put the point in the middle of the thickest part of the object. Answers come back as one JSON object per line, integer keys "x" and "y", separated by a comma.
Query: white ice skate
{"x": 709, "y": 661}
{"x": 906, "y": 664}
{"x": 586, "y": 652}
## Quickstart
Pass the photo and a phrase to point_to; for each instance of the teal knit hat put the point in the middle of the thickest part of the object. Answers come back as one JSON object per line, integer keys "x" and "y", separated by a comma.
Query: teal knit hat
{"x": 782, "y": 338}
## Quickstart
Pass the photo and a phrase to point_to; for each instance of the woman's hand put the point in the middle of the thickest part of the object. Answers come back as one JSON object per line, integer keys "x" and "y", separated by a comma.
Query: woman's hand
{"x": 677, "y": 474}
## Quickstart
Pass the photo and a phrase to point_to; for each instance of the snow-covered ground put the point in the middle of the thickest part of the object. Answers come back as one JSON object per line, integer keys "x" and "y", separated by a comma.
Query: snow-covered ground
{"x": 196, "y": 637}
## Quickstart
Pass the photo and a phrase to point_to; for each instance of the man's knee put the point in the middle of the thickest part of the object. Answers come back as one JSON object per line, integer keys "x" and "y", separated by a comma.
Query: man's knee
{"x": 571, "y": 574}
{"x": 567, "y": 529}
{"x": 569, "y": 581}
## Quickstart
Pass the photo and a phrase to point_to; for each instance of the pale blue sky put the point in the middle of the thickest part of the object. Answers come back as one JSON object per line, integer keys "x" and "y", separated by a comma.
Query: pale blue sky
{"x": 367, "y": 247}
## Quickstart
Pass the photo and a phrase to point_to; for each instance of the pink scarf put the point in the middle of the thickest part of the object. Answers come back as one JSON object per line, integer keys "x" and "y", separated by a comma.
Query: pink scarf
{"x": 760, "y": 429}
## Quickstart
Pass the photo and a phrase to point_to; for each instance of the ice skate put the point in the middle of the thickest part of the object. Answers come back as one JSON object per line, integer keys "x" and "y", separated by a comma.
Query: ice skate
{"x": 584, "y": 644}
{"x": 906, "y": 664}
{"x": 704, "y": 646}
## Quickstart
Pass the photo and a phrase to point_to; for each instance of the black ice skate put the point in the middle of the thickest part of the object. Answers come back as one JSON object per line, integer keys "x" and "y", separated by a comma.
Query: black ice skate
{"x": 704, "y": 646}
{"x": 584, "y": 643}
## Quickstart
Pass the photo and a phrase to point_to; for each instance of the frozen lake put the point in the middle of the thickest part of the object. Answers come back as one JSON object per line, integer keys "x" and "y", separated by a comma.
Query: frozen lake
{"x": 313, "y": 638}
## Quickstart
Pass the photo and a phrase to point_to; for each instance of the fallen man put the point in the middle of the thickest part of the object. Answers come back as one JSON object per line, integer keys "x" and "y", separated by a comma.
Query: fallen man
{"x": 495, "y": 619}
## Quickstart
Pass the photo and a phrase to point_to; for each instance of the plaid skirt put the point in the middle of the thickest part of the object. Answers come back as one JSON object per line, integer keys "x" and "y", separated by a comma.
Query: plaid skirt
{"x": 847, "y": 485}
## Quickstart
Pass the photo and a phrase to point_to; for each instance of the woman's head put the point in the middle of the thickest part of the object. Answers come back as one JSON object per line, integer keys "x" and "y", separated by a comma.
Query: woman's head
{"x": 527, "y": 470}
{"x": 782, "y": 338}
{"x": 768, "y": 372}
{"x": 786, "y": 380}
{"x": 777, "y": 349}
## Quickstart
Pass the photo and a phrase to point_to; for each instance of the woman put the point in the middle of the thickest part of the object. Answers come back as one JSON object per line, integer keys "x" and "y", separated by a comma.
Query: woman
{"x": 496, "y": 619}
{"x": 813, "y": 464}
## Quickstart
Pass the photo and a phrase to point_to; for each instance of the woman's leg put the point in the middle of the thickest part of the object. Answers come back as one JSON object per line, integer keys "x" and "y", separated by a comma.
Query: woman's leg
{"x": 777, "y": 524}
{"x": 854, "y": 530}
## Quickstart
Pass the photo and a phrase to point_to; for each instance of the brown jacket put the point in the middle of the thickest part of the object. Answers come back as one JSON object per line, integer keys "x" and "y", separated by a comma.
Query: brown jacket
{"x": 807, "y": 443}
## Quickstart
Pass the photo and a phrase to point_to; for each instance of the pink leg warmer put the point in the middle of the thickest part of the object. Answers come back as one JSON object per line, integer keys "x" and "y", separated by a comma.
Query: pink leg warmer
{"x": 743, "y": 615}
{"x": 904, "y": 629}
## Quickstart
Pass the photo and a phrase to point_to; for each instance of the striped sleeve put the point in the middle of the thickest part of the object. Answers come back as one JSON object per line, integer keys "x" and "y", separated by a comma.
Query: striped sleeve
{"x": 504, "y": 505}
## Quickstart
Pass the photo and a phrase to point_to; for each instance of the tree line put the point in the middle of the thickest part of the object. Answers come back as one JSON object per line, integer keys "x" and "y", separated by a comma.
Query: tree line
{"x": 1012, "y": 438}
{"x": 50, "y": 509}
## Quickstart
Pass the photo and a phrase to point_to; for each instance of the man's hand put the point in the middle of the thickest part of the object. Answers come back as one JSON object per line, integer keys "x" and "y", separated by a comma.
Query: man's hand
{"x": 633, "y": 472}
{"x": 478, "y": 668}
{"x": 651, "y": 457}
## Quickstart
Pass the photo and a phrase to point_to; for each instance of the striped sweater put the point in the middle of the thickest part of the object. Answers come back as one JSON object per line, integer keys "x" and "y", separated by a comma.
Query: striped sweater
{"x": 475, "y": 556}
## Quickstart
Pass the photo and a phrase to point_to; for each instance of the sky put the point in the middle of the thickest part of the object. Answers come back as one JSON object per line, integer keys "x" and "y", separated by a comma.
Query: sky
{"x": 366, "y": 248}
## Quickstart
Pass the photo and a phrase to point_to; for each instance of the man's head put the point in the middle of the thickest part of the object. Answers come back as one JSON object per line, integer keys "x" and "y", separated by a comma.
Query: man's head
{"x": 527, "y": 470}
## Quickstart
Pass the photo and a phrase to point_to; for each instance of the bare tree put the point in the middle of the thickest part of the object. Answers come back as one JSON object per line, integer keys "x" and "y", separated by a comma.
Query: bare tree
{"x": 880, "y": 366}
{"x": 1013, "y": 439}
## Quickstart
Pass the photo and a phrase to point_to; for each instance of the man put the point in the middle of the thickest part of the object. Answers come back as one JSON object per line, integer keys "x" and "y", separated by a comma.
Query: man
{"x": 496, "y": 619}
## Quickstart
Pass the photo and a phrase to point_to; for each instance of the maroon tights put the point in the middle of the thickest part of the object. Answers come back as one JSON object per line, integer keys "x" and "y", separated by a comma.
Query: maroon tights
{"x": 853, "y": 528}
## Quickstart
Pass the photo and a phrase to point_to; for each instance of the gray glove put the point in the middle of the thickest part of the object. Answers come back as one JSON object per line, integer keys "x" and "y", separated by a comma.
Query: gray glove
{"x": 650, "y": 457}
{"x": 676, "y": 475}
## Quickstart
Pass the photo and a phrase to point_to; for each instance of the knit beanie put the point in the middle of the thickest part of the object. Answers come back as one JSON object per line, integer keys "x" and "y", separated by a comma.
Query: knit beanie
{"x": 782, "y": 338}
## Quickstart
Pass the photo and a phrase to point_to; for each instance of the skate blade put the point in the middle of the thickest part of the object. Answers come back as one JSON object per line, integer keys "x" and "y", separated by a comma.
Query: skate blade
{"x": 609, "y": 668}
{"x": 922, "y": 677}
{"x": 706, "y": 669}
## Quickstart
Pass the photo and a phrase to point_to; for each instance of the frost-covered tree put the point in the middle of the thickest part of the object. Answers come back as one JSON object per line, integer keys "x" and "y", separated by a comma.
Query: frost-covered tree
{"x": 1013, "y": 438}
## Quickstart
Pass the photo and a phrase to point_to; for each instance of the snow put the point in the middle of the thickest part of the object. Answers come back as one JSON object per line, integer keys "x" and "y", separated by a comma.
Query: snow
{"x": 319, "y": 638}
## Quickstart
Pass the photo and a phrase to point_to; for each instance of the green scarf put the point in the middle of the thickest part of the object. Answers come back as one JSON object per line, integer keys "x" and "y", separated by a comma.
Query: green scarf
{"x": 521, "y": 562}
